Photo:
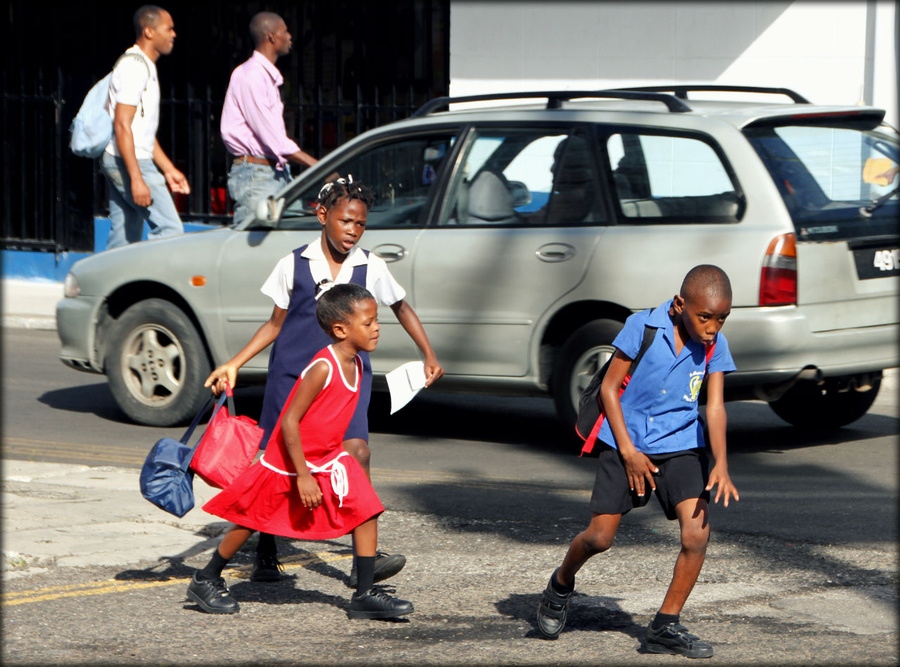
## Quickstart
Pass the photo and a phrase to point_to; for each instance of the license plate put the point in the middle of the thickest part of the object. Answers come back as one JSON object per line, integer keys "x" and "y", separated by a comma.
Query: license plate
{"x": 877, "y": 262}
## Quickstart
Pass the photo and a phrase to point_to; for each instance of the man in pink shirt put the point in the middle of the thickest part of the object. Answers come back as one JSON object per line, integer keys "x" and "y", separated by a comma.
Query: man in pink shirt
{"x": 252, "y": 123}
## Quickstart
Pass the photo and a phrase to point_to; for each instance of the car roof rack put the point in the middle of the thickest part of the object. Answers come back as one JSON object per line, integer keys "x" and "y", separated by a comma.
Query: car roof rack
{"x": 555, "y": 98}
{"x": 681, "y": 91}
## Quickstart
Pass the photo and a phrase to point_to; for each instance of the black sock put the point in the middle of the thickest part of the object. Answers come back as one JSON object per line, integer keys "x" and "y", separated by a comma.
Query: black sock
{"x": 662, "y": 619}
{"x": 365, "y": 573}
{"x": 214, "y": 567}
{"x": 558, "y": 587}
{"x": 266, "y": 545}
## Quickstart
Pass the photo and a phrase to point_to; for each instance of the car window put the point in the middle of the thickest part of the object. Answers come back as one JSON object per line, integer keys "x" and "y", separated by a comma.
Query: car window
{"x": 526, "y": 177}
{"x": 675, "y": 178}
{"x": 401, "y": 172}
{"x": 838, "y": 182}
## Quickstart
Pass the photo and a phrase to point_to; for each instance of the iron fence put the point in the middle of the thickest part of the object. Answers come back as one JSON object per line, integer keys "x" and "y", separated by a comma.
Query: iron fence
{"x": 42, "y": 212}
{"x": 33, "y": 173}
{"x": 341, "y": 79}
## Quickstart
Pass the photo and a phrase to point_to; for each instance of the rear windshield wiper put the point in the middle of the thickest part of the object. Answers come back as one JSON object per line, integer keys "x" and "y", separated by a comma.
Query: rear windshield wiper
{"x": 867, "y": 211}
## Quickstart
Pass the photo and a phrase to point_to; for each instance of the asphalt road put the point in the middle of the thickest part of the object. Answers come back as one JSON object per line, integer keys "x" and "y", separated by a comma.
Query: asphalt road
{"x": 483, "y": 499}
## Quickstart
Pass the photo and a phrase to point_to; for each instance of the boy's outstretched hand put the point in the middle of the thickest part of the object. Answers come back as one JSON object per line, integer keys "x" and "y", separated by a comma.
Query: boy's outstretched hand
{"x": 719, "y": 477}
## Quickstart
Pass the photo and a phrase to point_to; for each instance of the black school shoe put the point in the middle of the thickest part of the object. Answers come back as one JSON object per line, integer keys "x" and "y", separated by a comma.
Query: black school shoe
{"x": 376, "y": 603}
{"x": 386, "y": 566}
{"x": 551, "y": 613}
{"x": 675, "y": 639}
{"x": 212, "y": 596}
{"x": 266, "y": 567}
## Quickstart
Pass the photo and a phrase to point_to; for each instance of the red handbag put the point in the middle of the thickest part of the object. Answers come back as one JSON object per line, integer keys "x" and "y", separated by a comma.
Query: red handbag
{"x": 227, "y": 446}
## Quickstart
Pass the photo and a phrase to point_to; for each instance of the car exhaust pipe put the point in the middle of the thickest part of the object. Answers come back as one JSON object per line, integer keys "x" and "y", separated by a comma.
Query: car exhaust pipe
{"x": 773, "y": 392}
{"x": 861, "y": 383}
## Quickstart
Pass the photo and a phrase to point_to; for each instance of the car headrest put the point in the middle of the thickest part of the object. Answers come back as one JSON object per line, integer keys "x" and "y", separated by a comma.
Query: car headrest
{"x": 489, "y": 198}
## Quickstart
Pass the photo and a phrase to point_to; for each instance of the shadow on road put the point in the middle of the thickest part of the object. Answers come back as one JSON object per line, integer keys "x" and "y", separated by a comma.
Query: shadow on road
{"x": 752, "y": 426}
{"x": 511, "y": 420}
{"x": 587, "y": 613}
{"x": 93, "y": 399}
{"x": 282, "y": 592}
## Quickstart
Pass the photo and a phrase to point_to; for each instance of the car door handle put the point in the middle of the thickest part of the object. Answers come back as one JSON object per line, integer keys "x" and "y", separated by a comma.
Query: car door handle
{"x": 555, "y": 252}
{"x": 390, "y": 252}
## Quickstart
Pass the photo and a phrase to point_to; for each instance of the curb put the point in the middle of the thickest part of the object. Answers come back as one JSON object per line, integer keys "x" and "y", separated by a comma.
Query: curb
{"x": 30, "y": 304}
{"x": 29, "y": 322}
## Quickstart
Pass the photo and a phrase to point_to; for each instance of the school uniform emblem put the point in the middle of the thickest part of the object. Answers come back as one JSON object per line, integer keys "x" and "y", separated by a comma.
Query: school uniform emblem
{"x": 694, "y": 385}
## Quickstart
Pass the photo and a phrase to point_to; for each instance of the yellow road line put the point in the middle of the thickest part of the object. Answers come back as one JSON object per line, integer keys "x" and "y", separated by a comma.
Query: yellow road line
{"x": 113, "y": 586}
{"x": 108, "y": 454}
{"x": 64, "y": 443}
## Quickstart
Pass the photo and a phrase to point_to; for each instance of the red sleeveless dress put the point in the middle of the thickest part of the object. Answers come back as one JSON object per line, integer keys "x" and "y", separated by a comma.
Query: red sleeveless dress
{"x": 265, "y": 497}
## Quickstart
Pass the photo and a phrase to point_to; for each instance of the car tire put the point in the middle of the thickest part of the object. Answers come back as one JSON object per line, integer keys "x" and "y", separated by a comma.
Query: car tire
{"x": 581, "y": 356}
{"x": 156, "y": 364}
{"x": 822, "y": 407}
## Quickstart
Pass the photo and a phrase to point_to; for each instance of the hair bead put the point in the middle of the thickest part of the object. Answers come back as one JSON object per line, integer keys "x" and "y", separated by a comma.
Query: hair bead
{"x": 345, "y": 188}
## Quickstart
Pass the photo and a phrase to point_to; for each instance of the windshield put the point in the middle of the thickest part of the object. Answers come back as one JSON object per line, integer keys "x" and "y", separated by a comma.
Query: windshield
{"x": 838, "y": 180}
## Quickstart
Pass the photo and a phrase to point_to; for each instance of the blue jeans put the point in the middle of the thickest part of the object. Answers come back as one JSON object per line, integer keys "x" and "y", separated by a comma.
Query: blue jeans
{"x": 127, "y": 218}
{"x": 249, "y": 183}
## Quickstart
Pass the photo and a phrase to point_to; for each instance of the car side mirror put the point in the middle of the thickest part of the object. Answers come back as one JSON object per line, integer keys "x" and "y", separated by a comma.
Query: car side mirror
{"x": 268, "y": 210}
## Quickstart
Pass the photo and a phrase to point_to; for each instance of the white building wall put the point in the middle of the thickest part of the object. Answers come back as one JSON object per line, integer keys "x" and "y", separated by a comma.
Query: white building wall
{"x": 830, "y": 52}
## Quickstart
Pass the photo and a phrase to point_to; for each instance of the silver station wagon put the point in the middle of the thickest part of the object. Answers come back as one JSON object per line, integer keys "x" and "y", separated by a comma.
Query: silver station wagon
{"x": 527, "y": 227}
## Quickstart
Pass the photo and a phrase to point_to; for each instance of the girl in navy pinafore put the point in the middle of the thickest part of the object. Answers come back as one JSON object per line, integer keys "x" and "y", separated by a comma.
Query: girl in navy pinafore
{"x": 300, "y": 339}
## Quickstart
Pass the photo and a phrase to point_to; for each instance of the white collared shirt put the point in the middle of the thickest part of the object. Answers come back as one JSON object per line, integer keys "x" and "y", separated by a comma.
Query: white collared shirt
{"x": 379, "y": 281}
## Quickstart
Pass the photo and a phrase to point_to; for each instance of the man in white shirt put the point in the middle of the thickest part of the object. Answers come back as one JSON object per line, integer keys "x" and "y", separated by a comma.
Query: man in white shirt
{"x": 139, "y": 172}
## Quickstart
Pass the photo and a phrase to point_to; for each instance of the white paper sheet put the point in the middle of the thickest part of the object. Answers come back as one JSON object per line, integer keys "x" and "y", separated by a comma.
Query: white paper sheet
{"x": 404, "y": 382}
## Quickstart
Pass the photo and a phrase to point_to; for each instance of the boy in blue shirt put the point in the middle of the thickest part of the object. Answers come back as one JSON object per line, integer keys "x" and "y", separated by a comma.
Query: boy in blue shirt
{"x": 652, "y": 439}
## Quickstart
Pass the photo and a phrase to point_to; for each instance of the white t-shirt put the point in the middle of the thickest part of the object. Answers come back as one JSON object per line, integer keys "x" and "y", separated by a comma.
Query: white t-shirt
{"x": 379, "y": 281}
{"x": 136, "y": 84}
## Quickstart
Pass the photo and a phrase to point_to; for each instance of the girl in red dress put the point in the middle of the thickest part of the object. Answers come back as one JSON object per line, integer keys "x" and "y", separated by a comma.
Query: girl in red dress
{"x": 306, "y": 485}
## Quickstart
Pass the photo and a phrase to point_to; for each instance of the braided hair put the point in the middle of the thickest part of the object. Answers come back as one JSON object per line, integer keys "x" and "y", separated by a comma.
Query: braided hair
{"x": 339, "y": 303}
{"x": 345, "y": 188}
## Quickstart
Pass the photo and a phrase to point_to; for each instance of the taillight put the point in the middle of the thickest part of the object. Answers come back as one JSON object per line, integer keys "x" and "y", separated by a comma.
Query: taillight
{"x": 778, "y": 279}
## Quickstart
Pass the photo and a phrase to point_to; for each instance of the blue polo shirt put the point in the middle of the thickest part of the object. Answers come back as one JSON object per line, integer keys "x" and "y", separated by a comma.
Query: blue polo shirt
{"x": 660, "y": 402}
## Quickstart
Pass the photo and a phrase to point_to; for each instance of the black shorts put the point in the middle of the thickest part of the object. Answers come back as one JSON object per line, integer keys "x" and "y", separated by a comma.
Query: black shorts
{"x": 682, "y": 476}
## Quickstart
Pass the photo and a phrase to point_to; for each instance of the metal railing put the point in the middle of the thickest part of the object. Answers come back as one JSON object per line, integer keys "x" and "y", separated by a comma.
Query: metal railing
{"x": 51, "y": 197}
{"x": 354, "y": 65}
{"x": 32, "y": 171}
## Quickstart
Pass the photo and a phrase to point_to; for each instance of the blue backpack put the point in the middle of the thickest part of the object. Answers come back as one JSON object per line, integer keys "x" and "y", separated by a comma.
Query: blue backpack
{"x": 92, "y": 128}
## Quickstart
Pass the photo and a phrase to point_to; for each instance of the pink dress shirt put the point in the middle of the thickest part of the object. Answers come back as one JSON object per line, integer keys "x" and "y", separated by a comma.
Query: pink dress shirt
{"x": 253, "y": 113}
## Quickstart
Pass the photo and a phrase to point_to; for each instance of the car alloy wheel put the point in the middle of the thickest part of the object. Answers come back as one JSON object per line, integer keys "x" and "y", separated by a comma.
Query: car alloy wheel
{"x": 156, "y": 363}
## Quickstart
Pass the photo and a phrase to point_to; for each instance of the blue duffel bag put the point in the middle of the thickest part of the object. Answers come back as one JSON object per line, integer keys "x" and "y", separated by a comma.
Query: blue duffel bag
{"x": 166, "y": 478}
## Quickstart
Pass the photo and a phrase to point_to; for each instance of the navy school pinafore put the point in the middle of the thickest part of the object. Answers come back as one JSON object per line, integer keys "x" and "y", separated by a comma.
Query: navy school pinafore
{"x": 300, "y": 339}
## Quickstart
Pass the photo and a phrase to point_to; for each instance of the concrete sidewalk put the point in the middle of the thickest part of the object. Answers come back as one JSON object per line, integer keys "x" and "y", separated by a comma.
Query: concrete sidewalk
{"x": 30, "y": 304}
{"x": 62, "y": 515}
